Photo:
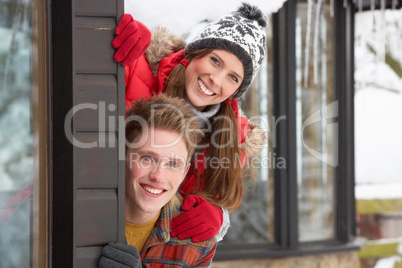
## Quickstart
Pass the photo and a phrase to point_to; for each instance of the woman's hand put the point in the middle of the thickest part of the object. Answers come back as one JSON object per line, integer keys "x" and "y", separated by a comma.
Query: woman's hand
{"x": 131, "y": 41}
{"x": 201, "y": 221}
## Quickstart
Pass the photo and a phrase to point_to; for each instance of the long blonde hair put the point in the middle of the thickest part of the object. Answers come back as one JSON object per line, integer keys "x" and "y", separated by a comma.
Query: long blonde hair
{"x": 223, "y": 186}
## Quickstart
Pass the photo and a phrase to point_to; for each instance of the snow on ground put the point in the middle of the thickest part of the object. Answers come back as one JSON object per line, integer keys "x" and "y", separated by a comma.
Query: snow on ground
{"x": 378, "y": 136}
{"x": 387, "y": 262}
{"x": 378, "y": 191}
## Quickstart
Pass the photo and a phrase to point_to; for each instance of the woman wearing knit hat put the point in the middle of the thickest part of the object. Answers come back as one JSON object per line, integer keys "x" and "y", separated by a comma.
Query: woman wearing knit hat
{"x": 211, "y": 73}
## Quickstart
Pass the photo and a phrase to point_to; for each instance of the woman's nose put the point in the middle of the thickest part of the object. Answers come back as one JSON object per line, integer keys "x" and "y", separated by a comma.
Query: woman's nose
{"x": 217, "y": 78}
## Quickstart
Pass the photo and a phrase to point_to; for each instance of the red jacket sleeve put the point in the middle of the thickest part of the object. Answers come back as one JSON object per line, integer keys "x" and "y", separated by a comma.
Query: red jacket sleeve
{"x": 140, "y": 81}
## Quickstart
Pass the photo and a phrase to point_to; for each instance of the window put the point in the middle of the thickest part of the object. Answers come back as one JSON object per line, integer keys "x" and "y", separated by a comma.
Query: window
{"x": 16, "y": 136}
{"x": 378, "y": 102}
{"x": 316, "y": 109}
{"x": 305, "y": 92}
{"x": 253, "y": 221}
{"x": 378, "y": 96}
{"x": 23, "y": 135}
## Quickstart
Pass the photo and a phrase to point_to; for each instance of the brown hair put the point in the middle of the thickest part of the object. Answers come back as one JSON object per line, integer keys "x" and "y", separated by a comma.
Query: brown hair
{"x": 166, "y": 113}
{"x": 223, "y": 186}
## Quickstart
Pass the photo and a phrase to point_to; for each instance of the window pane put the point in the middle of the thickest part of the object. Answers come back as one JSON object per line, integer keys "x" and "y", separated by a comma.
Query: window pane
{"x": 253, "y": 221}
{"x": 378, "y": 77}
{"x": 316, "y": 109}
{"x": 16, "y": 161}
{"x": 378, "y": 123}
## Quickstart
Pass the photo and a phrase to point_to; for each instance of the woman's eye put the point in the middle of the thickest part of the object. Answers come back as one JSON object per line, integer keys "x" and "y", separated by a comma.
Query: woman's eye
{"x": 215, "y": 60}
{"x": 234, "y": 78}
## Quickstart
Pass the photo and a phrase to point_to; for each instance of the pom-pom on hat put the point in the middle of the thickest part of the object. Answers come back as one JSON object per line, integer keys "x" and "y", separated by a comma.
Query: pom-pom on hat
{"x": 241, "y": 33}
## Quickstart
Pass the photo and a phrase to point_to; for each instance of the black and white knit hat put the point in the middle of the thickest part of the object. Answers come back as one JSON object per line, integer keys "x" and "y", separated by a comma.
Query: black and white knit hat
{"x": 241, "y": 33}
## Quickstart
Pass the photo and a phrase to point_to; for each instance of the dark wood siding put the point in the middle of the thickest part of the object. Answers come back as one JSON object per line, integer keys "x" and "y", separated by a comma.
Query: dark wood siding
{"x": 87, "y": 181}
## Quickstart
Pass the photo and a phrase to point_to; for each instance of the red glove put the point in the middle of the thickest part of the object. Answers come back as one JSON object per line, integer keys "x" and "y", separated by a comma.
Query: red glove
{"x": 201, "y": 221}
{"x": 131, "y": 41}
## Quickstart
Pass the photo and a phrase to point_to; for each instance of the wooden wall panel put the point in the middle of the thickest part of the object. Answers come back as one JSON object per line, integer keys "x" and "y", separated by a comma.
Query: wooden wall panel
{"x": 99, "y": 90}
{"x": 96, "y": 167}
{"x": 93, "y": 51}
{"x": 88, "y": 180}
{"x": 87, "y": 257}
{"x": 96, "y": 213}
{"x": 95, "y": 8}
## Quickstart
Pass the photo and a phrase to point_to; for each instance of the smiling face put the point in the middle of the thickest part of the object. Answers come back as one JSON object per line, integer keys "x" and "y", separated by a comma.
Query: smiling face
{"x": 154, "y": 172}
{"x": 213, "y": 78}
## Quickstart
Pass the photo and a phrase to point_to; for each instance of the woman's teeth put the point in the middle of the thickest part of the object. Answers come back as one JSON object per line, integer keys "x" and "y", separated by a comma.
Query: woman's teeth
{"x": 152, "y": 190}
{"x": 204, "y": 89}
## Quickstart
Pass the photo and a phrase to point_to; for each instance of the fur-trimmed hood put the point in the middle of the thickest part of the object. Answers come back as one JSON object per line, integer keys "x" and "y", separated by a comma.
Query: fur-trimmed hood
{"x": 162, "y": 45}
